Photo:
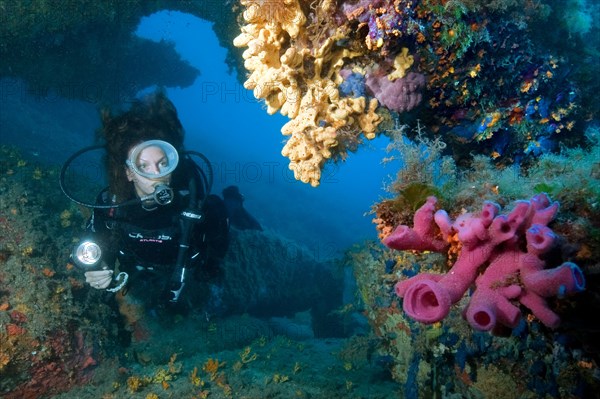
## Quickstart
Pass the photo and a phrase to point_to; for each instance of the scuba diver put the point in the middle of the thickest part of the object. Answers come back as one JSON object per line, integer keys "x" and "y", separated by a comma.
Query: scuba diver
{"x": 156, "y": 229}
{"x": 239, "y": 217}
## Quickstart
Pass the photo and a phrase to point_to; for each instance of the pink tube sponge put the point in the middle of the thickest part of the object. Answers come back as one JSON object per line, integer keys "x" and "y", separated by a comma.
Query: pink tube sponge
{"x": 540, "y": 239}
{"x": 492, "y": 256}
{"x": 491, "y": 302}
{"x": 489, "y": 308}
{"x": 421, "y": 237}
{"x": 563, "y": 280}
{"x": 425, "y": 300}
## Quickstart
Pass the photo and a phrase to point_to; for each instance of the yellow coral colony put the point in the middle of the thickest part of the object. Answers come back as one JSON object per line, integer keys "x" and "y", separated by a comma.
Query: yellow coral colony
{"x": 402, "y": 63}
{"x": 301, "y": 81}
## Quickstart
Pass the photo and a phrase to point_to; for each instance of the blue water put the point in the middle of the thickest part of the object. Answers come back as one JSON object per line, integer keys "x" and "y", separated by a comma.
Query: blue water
{"x": 226, "y": 122}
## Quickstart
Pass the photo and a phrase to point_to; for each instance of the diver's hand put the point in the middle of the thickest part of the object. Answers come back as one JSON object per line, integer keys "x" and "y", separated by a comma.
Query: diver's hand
{"x": 175, "y": 292}
{"x": 99, "y": 279}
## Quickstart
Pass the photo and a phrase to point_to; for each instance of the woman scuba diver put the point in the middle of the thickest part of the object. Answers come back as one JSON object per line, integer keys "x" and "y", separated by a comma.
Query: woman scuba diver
{"x": 156, "y": 221}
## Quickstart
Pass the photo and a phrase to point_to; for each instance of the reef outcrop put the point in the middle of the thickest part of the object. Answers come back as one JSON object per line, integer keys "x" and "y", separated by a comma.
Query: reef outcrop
{"x": 296, "y": 72}
{"x": 89, "y": 51}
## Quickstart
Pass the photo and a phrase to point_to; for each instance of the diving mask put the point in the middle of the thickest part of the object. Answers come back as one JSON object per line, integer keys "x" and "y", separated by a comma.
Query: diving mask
{"x": 153, "y": 159}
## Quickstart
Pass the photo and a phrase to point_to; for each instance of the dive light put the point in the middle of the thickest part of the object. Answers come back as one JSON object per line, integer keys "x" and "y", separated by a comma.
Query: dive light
{"x": 87, "y": 255}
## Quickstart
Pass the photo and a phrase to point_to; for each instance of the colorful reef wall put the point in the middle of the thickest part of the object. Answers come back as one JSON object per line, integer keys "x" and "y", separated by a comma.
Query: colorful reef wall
{"x": 485, "y": 77}
{"x": 485, "y": 283}
{"x": 491, "y": 230}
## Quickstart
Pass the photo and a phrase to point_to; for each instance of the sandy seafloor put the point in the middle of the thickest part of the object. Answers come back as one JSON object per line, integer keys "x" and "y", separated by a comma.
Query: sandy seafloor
{"x": 274, "y": 367}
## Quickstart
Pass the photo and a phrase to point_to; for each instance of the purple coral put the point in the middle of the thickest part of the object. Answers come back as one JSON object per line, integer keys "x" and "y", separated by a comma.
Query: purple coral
{"x": 400, "y": 95}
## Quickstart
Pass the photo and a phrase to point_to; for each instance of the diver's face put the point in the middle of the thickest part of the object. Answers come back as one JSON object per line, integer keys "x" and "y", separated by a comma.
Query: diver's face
{"x": 151, "y": 160}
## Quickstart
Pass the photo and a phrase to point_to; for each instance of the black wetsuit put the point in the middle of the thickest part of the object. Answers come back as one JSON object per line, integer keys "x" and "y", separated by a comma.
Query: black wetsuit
{"x": 146, "y": 241}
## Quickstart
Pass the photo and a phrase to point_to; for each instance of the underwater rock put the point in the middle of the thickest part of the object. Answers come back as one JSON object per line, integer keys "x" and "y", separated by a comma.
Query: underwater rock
{"x": 299, "y": 327}
{"x": 269, "y": 276}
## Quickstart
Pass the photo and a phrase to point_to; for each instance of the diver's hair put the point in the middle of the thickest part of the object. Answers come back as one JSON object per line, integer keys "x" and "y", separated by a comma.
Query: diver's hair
{"x": 153, "y": 117}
